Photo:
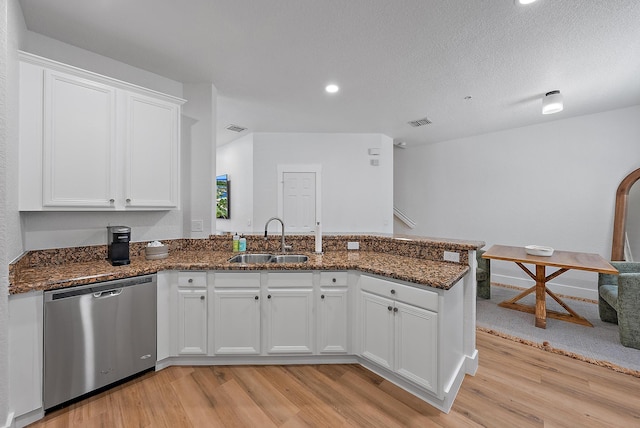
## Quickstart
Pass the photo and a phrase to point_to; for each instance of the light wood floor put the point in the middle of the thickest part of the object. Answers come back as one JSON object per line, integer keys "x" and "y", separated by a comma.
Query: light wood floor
{"x": 515, "y": 386}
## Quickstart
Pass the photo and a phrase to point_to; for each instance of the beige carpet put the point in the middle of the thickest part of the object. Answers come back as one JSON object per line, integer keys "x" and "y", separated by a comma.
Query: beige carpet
{"x": 599, "y": 345}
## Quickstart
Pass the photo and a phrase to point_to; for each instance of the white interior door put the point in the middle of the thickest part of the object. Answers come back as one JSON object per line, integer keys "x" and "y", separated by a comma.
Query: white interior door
{"x": 299, "y": 201}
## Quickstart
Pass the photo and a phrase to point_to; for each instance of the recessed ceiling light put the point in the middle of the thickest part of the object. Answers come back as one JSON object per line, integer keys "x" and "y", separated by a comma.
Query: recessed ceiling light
{"x": 552, "y": 102}
{"x": 332, "y": 89}
{"x": 525, "y": 2}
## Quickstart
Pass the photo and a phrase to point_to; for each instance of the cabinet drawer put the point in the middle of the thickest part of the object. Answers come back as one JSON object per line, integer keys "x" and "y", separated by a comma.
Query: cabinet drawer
{"x": 290, "y": 279}
{"x": 237, "y": 280}
{"x": 328, "y": 279}
{"x": 414, "y": 296}
{"x": 192, "y": 279}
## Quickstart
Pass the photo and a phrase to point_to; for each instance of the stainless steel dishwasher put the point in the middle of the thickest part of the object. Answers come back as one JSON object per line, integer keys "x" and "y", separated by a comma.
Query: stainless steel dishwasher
{"x": 97, "y": 334}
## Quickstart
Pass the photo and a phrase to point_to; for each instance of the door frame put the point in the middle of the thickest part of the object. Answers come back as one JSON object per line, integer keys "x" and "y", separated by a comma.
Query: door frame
{"x": 315, "y": 168}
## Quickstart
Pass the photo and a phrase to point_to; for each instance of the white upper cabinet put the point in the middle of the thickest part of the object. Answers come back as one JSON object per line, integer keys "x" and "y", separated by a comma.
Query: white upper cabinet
{"x": 151, "y": 152}
{"x": 88, "y": 142}
{"x": 79, "y": 142}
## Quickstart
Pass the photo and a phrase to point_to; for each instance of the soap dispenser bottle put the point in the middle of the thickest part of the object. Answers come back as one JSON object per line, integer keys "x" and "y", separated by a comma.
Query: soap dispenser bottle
{"x": 236, "y": 243}
{"x": 242, "y": 245}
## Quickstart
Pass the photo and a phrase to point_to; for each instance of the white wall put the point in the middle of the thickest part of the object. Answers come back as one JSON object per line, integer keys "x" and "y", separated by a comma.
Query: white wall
{"x": 198, "y": 158}
{"x": 56, "y": 50}
{"x": 549, "y": 184}
{"x": 356, "y": 197}
{"x": 236, "y": 160}
{"x": 12, "y": 31}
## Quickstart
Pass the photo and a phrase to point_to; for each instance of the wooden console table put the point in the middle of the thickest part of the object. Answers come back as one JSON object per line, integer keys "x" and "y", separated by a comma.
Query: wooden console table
{"x": 564, "y": 261}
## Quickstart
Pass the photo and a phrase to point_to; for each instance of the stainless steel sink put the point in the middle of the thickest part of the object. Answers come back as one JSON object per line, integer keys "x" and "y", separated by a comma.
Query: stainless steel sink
{"x": 268, "y": 258}
{"x": 289, "y": 258}
{"x": 251, "y": 258}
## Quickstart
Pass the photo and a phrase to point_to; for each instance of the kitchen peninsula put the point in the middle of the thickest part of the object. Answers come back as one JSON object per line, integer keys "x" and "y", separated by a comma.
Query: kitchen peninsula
{"x": 403, "y": 307}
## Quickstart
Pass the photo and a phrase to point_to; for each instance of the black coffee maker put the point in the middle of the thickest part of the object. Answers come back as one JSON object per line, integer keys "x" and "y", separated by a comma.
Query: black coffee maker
{"x": 119, "y": 237}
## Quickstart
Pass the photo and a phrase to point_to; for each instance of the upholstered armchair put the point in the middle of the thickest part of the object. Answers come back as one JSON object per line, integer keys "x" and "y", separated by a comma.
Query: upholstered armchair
{"x": 483, "y": 276}
{"x": 619, "y": 301}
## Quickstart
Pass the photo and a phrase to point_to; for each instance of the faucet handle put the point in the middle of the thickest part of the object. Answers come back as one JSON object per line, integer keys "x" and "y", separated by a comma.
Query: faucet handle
{"x": 288, "y": 247}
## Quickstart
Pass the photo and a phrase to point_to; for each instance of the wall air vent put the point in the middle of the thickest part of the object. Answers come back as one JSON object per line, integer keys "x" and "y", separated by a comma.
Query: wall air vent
{"x": 420, "y": 122}
{"x": 235, "y": 128}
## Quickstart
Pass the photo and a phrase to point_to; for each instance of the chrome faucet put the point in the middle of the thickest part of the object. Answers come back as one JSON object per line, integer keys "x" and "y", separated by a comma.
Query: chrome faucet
{"x": 284, "y": 247}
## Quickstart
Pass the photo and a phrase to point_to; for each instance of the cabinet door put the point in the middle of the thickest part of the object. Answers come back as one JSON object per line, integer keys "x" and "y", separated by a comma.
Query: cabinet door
{"x": 332, "y": 320}
{"x": 289, "y": 321}
{"x": 376, "y": 329}
{"x": 79, "y": 142}
{"x": 237, "y": 321}
{"x": 192, "y": 322}
{"x": 416, "y": 345}
{"x": 25, "y": 352}
{"x": 151, "y": 152}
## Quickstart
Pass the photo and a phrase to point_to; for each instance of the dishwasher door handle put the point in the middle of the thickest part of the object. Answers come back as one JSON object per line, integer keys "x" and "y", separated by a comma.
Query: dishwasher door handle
{"x": 108, "y": 293}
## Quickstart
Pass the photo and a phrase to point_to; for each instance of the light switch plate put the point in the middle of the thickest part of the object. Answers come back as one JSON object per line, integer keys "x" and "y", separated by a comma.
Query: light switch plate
{"x": 353, "y": 245}
{"x": 197, "y": 225}
{"x": 451, "y": 256}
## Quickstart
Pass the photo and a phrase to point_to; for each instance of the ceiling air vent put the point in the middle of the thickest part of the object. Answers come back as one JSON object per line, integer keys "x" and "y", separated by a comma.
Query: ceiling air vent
{"x": 235, "y": 128}
{"x": 420, "y": 122}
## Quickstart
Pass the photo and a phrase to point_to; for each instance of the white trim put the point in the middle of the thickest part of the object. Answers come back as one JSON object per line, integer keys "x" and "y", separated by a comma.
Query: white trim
{"x": 9, "y": 421}
{"x": 79, "y": 72}
{"x": 315, "y": 168}
{"x": 403, "y": 218}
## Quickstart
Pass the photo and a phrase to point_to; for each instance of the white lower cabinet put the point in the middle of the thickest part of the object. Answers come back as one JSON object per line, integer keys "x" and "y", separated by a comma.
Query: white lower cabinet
{"x": 192, "y": 322}
{"x": 192, "y": 313}
{"x": 236, "y": 314}
{"x": 333, "y": 311}
{"x": 25, "y": 353}
{"x": 397, "y": 336}
{"x": 377, "y": 329}
{"x": 416, "y": 345}
{"x": 289, "y": 313}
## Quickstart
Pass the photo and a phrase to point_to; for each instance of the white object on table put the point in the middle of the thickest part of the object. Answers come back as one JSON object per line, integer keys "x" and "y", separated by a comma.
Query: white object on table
{"x": 538, "y": 250}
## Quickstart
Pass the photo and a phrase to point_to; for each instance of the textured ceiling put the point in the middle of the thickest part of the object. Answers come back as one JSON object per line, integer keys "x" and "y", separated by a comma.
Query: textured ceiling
{"x": 395, "y": 61}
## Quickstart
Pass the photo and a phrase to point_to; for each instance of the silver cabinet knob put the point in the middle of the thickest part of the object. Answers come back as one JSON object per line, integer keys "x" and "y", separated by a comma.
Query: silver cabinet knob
{"x": 111, "y": 200}
{"x": 128, "y": 200}
{"x": 393, "y": 291}
{"x": 190, "y": 280}
{"x": 201, "y": 297}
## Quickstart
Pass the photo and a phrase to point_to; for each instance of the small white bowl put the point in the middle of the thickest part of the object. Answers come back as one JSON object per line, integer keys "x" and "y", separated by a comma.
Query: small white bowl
{"x": 156, "y": 253}
{"x": 538, "y": 250}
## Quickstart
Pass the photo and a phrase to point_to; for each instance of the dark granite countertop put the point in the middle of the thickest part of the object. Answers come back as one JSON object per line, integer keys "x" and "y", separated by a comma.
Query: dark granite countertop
{"x": 414, "y": 266}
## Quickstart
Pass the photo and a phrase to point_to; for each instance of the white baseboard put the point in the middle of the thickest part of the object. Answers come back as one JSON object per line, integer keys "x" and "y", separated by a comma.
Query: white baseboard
{"x": 9, "y": 422}
{"x": 564, "y": 289}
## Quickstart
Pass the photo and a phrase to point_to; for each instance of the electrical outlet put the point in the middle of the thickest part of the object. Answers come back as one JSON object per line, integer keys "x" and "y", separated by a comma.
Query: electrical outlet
{"x": 353, "y": 245}
{"x": 450, "y": 256}
{"x": 197, "y": 225}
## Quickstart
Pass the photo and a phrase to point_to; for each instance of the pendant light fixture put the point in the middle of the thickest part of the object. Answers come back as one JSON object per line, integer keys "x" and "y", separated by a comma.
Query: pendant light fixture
{"x": 552, "y": 102}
